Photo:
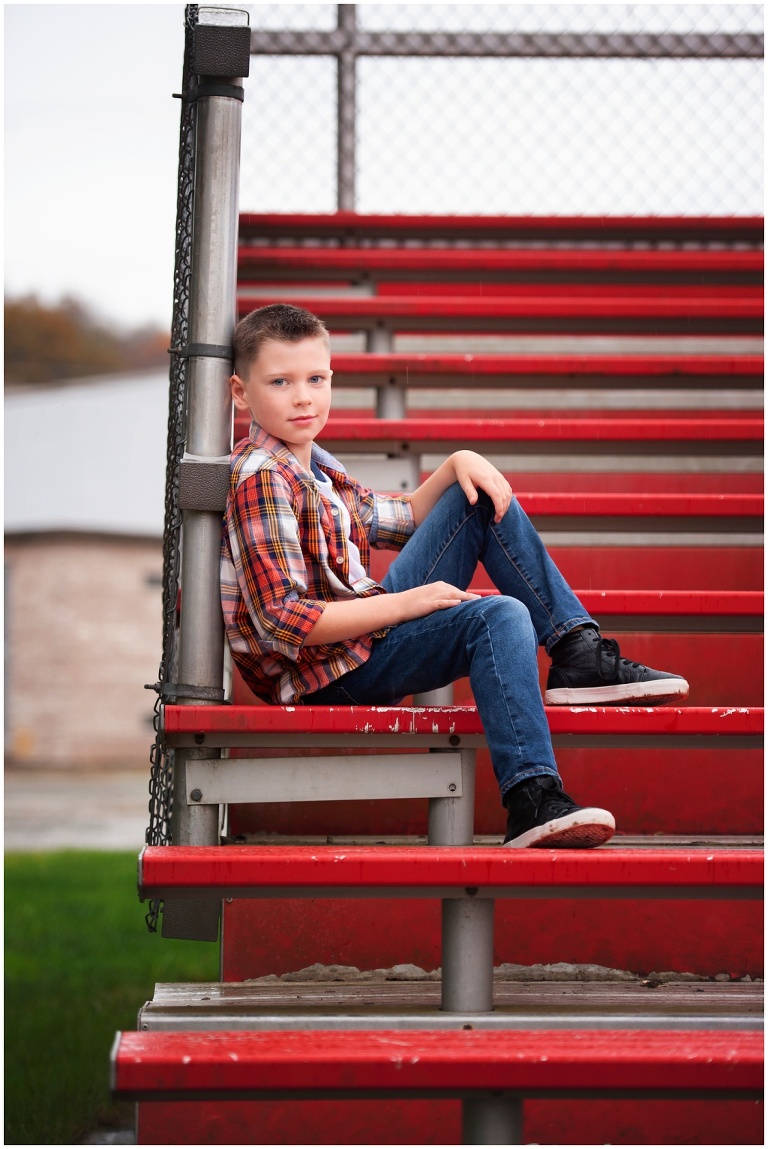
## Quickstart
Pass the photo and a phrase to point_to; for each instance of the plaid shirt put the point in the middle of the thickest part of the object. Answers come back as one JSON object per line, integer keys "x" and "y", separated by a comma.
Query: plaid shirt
{"x": 284, "y": 556}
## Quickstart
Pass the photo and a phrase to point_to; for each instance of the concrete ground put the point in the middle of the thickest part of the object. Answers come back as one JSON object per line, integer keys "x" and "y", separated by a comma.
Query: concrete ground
{"x": 75, "y": 809}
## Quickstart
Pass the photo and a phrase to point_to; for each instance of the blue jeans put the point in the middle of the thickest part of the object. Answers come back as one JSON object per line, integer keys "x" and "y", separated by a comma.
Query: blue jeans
{"x": 491, "y": 640}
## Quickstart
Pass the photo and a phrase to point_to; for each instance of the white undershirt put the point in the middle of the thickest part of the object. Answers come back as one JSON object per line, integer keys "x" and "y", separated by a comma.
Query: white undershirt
{"x": 324, "y": 482}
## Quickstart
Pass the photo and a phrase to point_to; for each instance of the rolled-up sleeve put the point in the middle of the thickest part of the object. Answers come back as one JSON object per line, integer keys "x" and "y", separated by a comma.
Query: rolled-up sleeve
{"x": 266, "y": 552}
{"x": 388, "y": 519}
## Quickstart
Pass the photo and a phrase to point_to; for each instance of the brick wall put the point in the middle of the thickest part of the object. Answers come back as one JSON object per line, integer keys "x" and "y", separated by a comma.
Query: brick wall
{"x": 83, "y": 634}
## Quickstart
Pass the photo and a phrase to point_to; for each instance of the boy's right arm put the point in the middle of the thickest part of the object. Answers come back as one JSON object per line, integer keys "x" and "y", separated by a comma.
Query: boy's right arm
{"x": 351, "y": 618}
{"x": 272, "y": 577}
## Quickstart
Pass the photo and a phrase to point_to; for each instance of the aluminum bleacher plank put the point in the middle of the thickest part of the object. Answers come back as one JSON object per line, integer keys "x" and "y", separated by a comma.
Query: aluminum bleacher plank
{"x": 315, "y": 1001}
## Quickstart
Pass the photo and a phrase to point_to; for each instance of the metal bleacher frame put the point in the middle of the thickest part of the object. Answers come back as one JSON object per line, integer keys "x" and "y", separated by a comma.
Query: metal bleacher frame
{"x": 463, "y": 1050}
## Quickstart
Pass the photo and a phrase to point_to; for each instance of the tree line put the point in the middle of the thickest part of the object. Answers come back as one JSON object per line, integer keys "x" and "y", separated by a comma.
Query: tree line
{"x": 50, "y": 343}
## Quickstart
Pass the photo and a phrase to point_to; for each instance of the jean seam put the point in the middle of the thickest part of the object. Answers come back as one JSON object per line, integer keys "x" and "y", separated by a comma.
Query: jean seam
{"x": 531, "y": 771}
{"x": 510, "y": 720}
{"x": 451, "y": 538}
{"x": 536, "y": 593}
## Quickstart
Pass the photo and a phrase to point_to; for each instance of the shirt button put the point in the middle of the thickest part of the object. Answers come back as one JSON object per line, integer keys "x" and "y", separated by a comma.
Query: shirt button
{"x": 340, "y": 559}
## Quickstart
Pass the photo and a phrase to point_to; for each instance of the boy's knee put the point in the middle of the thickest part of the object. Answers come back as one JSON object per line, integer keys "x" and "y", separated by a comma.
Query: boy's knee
{"x": 502, "y": 611}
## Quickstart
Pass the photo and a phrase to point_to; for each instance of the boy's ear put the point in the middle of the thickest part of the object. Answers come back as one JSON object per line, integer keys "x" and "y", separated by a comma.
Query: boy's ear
{"x": 239, "y": 398}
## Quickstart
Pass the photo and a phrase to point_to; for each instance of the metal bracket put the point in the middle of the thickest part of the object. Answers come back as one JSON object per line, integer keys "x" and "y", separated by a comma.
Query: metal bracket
{"x": 184, "y": 690}
{"x": 229, "y": 91}
{"x": 202, "y": 351}
{"x": 203, "y": 483}
{"x": 220, "y": 49}
{"x": 342, "y": 778}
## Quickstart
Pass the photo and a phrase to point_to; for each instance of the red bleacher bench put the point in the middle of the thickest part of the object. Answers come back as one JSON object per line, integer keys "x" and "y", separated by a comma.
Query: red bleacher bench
{"x": 489, "y": 369}
{"x": 553, "y": 1063}
{"x": 439, "y": 871}
{"x": 382, "y": 264}
{"x": 734, "y": 314}
{"x": 353, "y": 227}
{"x": 440, "y": 726}
{"x": 728, "y": 434}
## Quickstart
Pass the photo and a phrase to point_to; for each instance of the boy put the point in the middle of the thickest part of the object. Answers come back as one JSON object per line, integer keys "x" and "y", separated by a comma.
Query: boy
{"x": 306, "y": 624}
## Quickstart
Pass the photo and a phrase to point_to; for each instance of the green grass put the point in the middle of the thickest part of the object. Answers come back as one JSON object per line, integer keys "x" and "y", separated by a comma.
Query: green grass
{"x": 79, "y": 963}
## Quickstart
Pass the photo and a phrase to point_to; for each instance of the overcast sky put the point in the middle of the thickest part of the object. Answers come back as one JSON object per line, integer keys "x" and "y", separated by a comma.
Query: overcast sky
{"x": 91, "y": 152}
{"x": 91, "y": 136}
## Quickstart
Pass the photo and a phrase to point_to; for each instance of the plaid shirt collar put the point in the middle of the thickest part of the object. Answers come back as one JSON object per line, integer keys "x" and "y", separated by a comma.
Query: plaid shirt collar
{"x": 258, "y": 437}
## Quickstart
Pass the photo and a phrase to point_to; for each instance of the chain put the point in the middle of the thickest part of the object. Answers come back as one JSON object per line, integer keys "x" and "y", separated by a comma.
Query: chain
{"x": 161, "y": 757}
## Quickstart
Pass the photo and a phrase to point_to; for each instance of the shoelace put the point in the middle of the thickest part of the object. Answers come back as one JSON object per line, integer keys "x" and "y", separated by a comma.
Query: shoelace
{"x": 556, "y": 802}
{"x": 609, "y": 648}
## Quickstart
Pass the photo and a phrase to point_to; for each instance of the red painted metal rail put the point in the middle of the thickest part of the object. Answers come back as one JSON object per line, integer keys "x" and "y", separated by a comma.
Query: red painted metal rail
{"x": 325, "y": 869}
{"x": 351, "y": 225}
{"x": 678, "y": 604}
{"x": 456, "y": 720}
{"x": 362, "y": 430}
{"x": 330, "y": 260}
{"x": 699, "y": 604}
{"x": 611, "y": 503}
{"x": 595, "y": 1062}
{"x": 486, "y": 366}
{"x": 742, "y": 313}
{"x": 564, "y": 288}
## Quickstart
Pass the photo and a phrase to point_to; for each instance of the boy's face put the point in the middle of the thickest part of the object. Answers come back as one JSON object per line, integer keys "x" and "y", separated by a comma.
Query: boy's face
{"x": 287, "y": 390}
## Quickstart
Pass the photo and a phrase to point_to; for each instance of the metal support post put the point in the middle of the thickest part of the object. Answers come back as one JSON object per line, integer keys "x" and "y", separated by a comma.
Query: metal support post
{"x": 390, "y": 401}
{"x": 220, "y": 57}
{"x": 379, "y": 341}
{"x": 441, "y": 697}
{"x": 467, "y": 960}
{"x": 467, "y": 922}
{"x": 452, "y": 820}
{"x": 493, "y": 1120}
{"x": 346, "y": 110}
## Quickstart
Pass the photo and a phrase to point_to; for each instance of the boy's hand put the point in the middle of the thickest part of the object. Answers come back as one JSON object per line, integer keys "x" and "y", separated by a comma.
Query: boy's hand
{"x": 473, "y": 471}
{"x": 423, "y": 600}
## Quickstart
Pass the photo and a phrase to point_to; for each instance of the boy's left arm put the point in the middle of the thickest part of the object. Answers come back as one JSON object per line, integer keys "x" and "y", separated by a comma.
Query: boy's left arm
{"x": 473, "y": 473}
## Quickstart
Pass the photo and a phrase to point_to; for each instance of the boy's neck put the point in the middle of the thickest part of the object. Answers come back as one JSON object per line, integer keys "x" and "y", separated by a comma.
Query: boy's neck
{"x": 304, "y": 455}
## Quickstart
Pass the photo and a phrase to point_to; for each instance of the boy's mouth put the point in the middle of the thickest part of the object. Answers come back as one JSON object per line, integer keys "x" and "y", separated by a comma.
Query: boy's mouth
{"x": 302, "y": 419}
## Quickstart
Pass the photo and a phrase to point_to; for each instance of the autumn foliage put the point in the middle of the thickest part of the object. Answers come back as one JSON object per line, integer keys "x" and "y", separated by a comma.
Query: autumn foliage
{"x": 51, "y": 343}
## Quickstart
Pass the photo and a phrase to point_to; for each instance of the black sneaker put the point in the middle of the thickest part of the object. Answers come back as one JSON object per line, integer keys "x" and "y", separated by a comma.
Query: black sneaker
{"x": 588, "y": 669}
{"x": 542, "y": 814}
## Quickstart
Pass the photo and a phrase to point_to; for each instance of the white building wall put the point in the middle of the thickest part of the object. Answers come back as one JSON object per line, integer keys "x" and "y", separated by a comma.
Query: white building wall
{"x": 83, "y": 635}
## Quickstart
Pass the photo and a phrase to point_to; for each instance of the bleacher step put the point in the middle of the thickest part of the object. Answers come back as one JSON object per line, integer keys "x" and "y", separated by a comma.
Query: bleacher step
{"x": 228, "y": 1065}
{"x": 620, "y": 841}
{"x": 378, "y": 1003}
{"x": 466, "y": 873}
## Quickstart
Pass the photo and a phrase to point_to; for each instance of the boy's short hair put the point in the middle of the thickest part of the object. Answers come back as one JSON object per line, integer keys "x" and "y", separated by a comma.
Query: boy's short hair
{"x": 281, "y": 321}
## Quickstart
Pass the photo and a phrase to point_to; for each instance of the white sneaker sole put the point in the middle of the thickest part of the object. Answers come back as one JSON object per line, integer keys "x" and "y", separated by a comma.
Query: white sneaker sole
{"x": 581, "y": 830}
{"x": 657, "y": 692}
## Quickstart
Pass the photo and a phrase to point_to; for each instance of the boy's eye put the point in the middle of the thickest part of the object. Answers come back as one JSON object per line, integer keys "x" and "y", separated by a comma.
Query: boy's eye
{"x": 317, "y": 380}
{"x": 278, "y": 382}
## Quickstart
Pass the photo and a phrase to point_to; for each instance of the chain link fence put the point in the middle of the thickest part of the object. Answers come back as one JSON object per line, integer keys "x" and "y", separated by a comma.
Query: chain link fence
{"x": 665, "y": 117}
